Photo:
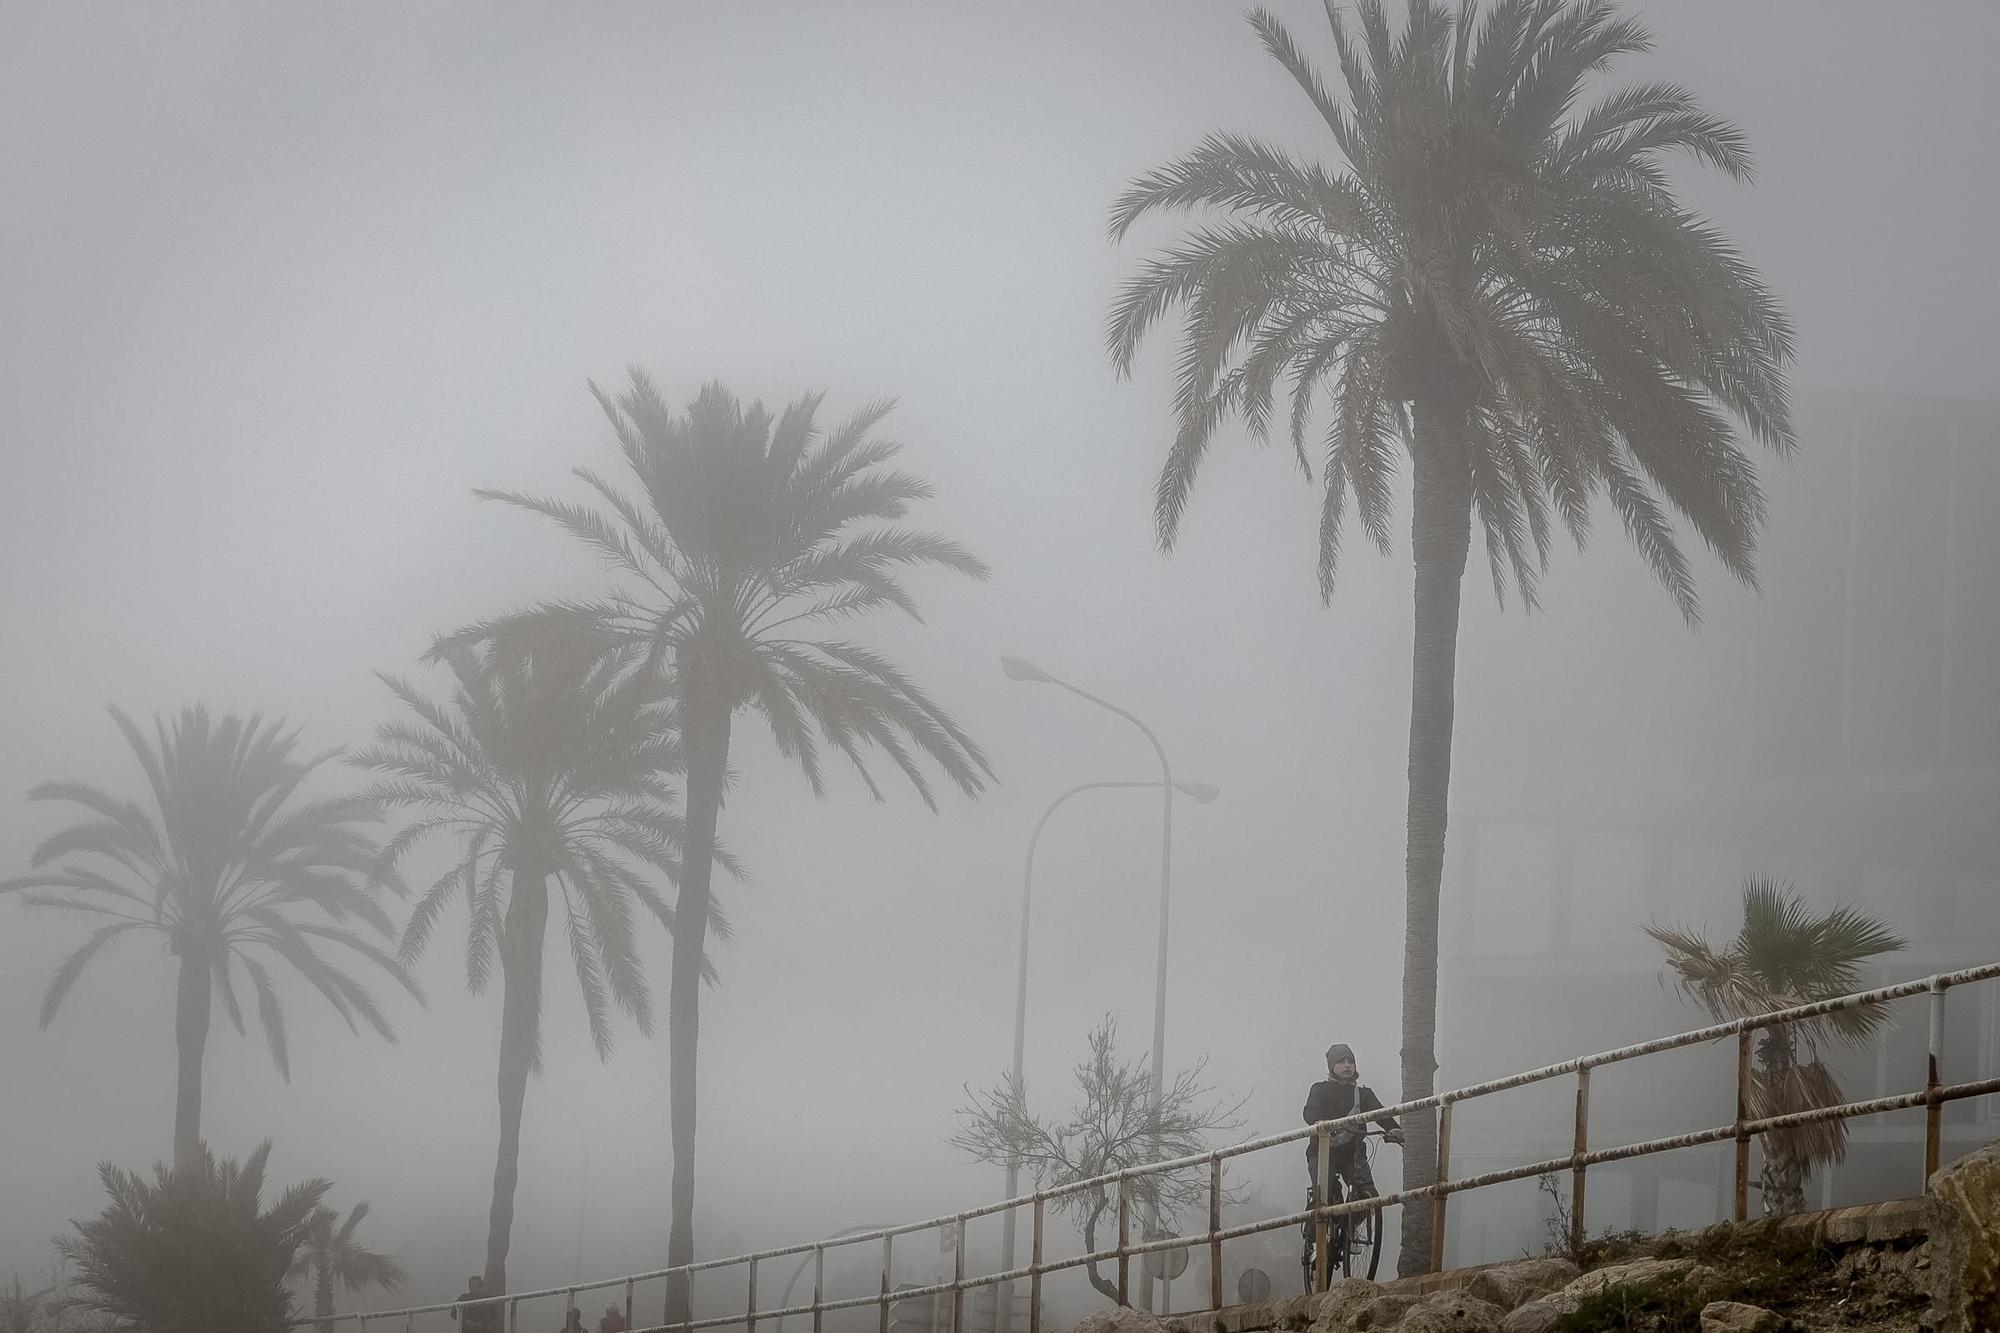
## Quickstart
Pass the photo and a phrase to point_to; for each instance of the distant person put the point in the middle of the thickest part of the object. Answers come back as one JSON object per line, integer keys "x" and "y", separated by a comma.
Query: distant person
{"x": 613, "y": 1321}
{"x": 1342, "y": 1094}
{"x": 478, "y": 1318}
{"x": 573, "y": 1321}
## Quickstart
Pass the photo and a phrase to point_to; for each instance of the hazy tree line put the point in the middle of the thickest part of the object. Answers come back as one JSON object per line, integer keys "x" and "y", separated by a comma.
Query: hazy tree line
{"x": 575, "y": 769}
{"x": 1488, "y": 281}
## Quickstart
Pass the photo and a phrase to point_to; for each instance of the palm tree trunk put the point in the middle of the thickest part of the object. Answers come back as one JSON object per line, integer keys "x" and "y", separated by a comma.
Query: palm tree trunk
{"x": 708, "y": 719}
{"x": 194, "y": 996}
{"x": 323, "y": 1293}
{"x": 1440, "y": 534}
{"x": 520, "y": 1043}
{"x": 1784, "y": 1173}
{"x": 1783, "y": 1179}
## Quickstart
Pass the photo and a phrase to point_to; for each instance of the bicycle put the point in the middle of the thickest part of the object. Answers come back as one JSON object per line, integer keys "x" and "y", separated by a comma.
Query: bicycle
{"x": 1355, "y": 1239}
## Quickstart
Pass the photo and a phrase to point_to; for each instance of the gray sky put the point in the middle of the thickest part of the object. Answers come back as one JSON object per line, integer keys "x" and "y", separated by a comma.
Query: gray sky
{"x": 283, "y": 283}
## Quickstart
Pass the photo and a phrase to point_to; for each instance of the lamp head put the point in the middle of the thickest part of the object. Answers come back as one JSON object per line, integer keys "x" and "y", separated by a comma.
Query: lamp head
{"x": 1020, "y": 668}
{"x": 1203, "y": 792}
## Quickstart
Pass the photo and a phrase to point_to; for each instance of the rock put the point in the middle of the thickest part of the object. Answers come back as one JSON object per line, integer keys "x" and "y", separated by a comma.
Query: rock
{"x": 1510, "y": 1286}
{"x": 1736, "y": 1317}
{"x": 1540, "y": 1315}
{"x": 1534, "y": 1317}
{"x": 1249, "y": 1318}
{"x": 1293, "y": 1312}
{"x": 1384, "y": 1312}
{"x": 1864, "y": 1224}
{"x": 1124, "y": 1321}
{"x": 1620, "y": 1275}
{"x": 1453, "y": 1312}
{"x": 1334, "y": 1309}
{"x": 1963, "y": 1209}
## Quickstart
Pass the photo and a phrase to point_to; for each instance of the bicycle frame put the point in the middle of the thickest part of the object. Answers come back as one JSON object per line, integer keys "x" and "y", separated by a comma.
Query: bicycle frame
{"x": 1319, "y": 1201}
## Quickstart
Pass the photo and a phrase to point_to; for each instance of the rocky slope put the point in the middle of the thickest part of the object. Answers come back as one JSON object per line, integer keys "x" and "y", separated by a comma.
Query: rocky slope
{"x": 1929, "y": 1265}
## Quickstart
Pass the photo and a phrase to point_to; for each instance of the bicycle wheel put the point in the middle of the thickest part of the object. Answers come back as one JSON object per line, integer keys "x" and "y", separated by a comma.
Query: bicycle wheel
{"x": 1363, "y": 1255}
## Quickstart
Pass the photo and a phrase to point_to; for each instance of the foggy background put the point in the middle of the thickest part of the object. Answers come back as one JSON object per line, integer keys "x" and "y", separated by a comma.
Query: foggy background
{"x": 282, "y": 283}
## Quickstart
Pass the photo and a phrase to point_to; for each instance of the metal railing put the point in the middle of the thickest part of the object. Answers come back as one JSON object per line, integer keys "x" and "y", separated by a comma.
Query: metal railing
{"x": 1742, "y": 1130}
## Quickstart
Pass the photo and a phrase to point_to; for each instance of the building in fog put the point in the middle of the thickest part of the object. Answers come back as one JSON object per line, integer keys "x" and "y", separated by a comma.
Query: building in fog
{"x": 1841, "y": 731}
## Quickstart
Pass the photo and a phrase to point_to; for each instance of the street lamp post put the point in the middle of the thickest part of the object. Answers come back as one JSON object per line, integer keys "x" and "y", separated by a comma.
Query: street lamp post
{"x": 1200, "y": 791}
{"x": 1019, "y": 668}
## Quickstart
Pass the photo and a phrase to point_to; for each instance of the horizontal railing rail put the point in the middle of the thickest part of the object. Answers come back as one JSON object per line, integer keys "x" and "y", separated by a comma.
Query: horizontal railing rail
{"x": 1742, "y": 1130}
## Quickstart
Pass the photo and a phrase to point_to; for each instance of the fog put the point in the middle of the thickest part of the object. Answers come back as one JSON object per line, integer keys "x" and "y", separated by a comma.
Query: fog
{"x": 284, "y": 283}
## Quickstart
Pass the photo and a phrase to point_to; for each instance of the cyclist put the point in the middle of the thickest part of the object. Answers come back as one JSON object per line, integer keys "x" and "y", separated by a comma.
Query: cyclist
{"x": 1340, "y": 1094}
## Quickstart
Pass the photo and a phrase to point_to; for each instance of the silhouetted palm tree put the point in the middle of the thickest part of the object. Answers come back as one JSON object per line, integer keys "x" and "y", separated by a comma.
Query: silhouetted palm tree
{"x": 329, "y": 1254}
{"x": 24, "y": 1311}
{"x": 1501, "y": 285}
{"x": 230, "y": 870}
{"x": 1785, "y": 956}
{"x": 750, "y": 538}
{"x": 548, "y": 767}
{"x": 194, "y": 1250}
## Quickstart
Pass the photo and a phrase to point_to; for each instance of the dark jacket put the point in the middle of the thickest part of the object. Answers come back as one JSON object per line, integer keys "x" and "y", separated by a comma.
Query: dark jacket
{"x": 1331, "y": 1099}
{"x": 478, "y": 1318}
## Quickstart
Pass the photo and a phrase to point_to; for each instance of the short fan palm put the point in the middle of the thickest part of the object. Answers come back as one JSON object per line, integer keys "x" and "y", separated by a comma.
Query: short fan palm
{"x": 1785, "y": 956}
{"x": 751, "y": 538}
{"x": 1498, "y": 285}
{"x": 330, "y": 1254}
{"x": 234, "y": 868}
{"x": 548, "y": 768}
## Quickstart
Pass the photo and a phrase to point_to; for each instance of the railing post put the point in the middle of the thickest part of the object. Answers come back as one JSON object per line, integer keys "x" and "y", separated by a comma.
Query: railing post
{"x": 1579, "y": 1147}
{"x": 514, "y": 1315}
{"x": 750, "y": 1299}
{"x": 1124, "y": 1242}
{"x": 958, "y": 1276}
{"x": 1741, "y": 1205}
{"x": 1322, "y": 1224}
{"x": 1215, "y": 1233}
{"x": 628, "y": 1302}
{"x": 1035, "y": 1275}
{"x": 888, "y": 1253}
{"x": 819, "y": 1283}
{"x": 410, "y": 1322}
{"x": 1933, "y": 1108}
{"x": 1443, "y": 1176}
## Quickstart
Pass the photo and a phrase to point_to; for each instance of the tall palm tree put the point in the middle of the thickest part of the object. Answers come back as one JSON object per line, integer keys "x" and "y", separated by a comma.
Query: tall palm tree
{"x": 1501, "y": 286}
{"x": 1785, "y": 956}
{"x": 329, "y": 1253}
{"x": 548, "y": 767}
{"x": 750, "y": 538}
{"x": 229, "y": 869}
{"x": 195, "y": 1249}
